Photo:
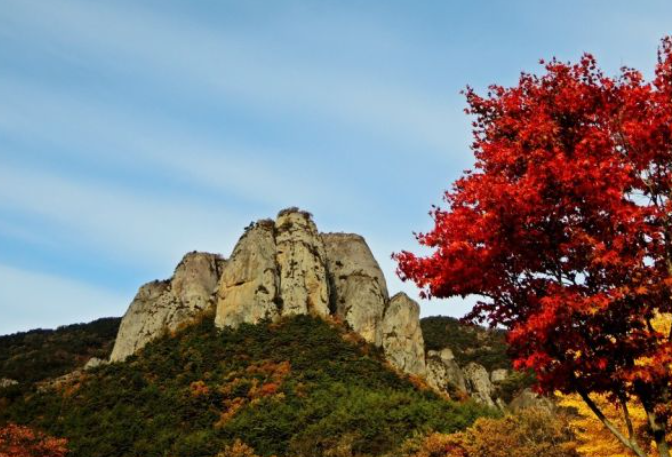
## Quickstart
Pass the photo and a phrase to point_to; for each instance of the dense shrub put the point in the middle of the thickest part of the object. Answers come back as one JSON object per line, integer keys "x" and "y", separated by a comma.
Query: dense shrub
{"x": 530, "y": 433}
{"x": 40, "y": 354}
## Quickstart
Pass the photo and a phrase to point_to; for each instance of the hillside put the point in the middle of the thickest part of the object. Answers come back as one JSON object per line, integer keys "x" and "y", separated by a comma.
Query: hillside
{"x": 40, "y": 354}
{"x": 298, "y": 387}
{"x": 468, "y": 343}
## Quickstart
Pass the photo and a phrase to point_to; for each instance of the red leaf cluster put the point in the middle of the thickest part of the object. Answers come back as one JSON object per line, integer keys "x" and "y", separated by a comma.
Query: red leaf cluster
{"x": 564, "y": 226}
{"x": 18, "y": 441}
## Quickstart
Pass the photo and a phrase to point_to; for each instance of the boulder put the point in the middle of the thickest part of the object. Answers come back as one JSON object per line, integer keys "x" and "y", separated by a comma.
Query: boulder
{"x": 357, "y": 284}
{"x": 478, "y": 383}
{"x": 499, "y": 375}
{"x": 6, "y": 382}
{"x": 443, "y": 372}
{"x": 301, "y": 260}
{"x": 249, "y": 288}
{"x": 402, "y": 339}
{"x": 94, "y": 362}
{"x": 527, "y": 398}
{"x": 161, "y": 306}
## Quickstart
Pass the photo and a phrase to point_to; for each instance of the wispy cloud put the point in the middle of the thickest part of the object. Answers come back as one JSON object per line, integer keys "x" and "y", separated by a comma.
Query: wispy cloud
{"x": 166, "y": 50}
{"x": 32, "y": 299}
{"x": 110, "y": 138}
{"x": 117, "y": 223}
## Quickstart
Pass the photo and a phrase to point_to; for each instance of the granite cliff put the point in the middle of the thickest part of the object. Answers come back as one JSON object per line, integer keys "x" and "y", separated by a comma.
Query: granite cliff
{"x": 286, "y": 267}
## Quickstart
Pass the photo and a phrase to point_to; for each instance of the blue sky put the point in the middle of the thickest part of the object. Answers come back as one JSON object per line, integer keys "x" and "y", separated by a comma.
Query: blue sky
{"x": 132, "y": 132}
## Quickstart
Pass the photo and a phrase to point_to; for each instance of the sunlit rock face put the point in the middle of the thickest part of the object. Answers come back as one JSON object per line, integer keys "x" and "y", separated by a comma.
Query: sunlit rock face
{"x": 302, "y": 265}
{"x": 478, "y": 384}
{"x": 282, "y": 267}
{"x": 402, "y": 338}
{"x": 443, "y": 372}
{"x": 249, "y": 288}
{"x": 358, "y": 288}
{"x": 162, "y": 306}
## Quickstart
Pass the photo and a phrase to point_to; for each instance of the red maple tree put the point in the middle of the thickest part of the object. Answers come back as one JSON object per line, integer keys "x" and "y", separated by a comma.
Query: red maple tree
{"x": 20, "y": 441}
{"x": 565, "y": 228}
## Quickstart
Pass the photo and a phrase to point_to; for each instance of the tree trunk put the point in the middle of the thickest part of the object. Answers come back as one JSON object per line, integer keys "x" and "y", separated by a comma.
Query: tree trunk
{"x": 630, "y": 443}
{"x": 658, "y": 431}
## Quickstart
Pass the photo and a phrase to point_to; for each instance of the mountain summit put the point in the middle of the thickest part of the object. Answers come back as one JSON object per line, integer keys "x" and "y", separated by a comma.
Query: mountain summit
{"x": 279, "y": 268}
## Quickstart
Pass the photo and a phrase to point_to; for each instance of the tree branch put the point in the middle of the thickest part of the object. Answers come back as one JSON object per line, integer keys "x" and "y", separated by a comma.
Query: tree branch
{"x": 628, "y": 443}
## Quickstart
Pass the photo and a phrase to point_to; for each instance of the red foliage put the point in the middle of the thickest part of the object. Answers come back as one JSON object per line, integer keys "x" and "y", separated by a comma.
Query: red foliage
{"x": 18, "y": 441}
{"x": 564, "y": 227}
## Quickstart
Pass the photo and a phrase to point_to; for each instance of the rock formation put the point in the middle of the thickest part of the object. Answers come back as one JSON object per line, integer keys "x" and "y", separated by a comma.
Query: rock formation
{"x": 249, "y": 288}
{"x": 402, "y": 338}
{"x": 358, "y": 288}
{"x": 94, "y": 362}
{"x": 499, "y": 375}
{"x": 285, "y": 267}
{"x": 478, "y": 383}
{"x": 162, "y": 306}
{"x": 443, "y": 372}
{"x": 527, "y": 398}
{"x": 6, "y": 382}
{"x": 301, "y": 260}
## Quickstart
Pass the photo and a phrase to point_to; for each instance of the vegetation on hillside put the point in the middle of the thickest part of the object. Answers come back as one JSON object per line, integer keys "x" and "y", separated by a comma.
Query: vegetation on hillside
{"x": 302, "y": 387}
{"x": 40, "y": 354}
{"x": 530, "y": 433}
{"x": 469, "y": 343}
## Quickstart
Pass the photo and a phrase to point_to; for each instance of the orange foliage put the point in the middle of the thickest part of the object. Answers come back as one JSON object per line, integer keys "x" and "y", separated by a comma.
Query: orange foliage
{"x": 199, "y": 389}
{"x": 237, "y": 449}
{"x": 18, "y": 441}
{"x": 531, "y": 433}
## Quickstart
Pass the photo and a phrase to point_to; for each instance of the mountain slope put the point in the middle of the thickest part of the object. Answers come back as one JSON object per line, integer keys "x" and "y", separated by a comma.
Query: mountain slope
{"x": 40, "y": 354}
{"x": 478, "y": 344}
{"x": 299, "y": 387}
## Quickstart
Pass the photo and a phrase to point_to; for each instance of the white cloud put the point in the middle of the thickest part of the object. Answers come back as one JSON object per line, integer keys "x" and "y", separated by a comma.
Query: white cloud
{"x": 30, "y": 299}
{"x": 177, "y": 53}
{"x": 113, "y": 139}
{"x": 118, "y": 223}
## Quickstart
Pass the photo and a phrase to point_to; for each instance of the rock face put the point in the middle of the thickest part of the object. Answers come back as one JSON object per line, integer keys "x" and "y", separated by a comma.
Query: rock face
{"x": 249, "y": 289}
{"x": 499, "y": 375}
{"x": 94, "y": 362}
{"x": 478, "y": 383}
{"x": 402, "y": 338}
{"x": 6, "y": 382}
{"x": 162, "y": 306}
{"x": 527, "y": 398}
{"x": 358, "y": 288}
{"x": 301, "y": 260}
{"x": 443, "y": 372}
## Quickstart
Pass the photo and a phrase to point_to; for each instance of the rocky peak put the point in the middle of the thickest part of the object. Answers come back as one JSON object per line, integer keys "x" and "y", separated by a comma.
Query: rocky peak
{"x": 249, "y": 288}
{"x": 301, "y": 260}
{"x": 402, "y": 338}
{"x": 161, "y": 306}
{"x": 443, "y": 372}
{"x": 286, "y": 267}
{"x": 358, "y": 288}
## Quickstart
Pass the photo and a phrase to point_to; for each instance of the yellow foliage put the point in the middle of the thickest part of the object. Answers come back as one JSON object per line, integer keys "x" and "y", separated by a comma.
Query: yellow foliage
{"x": 237, "y": 449}
{"x": 593, "y": 438}
{"x": 530, "y": 433}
